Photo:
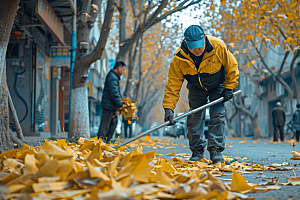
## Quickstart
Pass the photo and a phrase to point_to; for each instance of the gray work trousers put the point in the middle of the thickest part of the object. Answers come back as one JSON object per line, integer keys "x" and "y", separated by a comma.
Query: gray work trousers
{"x": 108, "y": 125}
{"x": 196, "y": 122}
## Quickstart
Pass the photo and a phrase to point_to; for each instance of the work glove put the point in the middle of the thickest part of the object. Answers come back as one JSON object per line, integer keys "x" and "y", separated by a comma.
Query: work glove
{"x": 169, "y": 116}
{"x": 227, "y": 94}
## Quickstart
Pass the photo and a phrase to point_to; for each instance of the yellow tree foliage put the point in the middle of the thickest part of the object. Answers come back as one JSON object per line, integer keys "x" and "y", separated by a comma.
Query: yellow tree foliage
{"x": 253, "y": 28}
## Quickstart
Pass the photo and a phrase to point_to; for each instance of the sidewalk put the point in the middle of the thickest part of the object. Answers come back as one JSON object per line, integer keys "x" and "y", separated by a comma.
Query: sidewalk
{"x": 43, "y": 135}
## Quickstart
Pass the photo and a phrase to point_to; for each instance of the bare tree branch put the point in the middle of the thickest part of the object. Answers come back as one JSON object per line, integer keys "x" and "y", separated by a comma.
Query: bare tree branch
{"x": 284, "y": 84}
{"x": 147, "y": 11}
{"x": 241, "y": 108}
{"x": 99, "y": 49}
{"x": 86, "y": 6}
{"x": 179, "y": 8}
{"x": 283, "y": 62}
{"x": 98, "y": 3}
{"x": 133, "y": 8}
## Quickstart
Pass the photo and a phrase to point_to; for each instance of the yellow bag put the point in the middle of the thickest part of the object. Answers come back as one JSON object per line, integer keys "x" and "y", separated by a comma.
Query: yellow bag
{"x": 129, "y": 109}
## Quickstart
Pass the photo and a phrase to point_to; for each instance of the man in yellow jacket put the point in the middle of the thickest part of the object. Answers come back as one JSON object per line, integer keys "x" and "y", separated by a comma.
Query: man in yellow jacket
{"x": 211, "y": 72}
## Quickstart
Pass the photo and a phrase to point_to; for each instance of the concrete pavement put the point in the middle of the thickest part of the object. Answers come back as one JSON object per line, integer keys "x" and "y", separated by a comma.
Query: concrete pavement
{"x": 262, "y": 152}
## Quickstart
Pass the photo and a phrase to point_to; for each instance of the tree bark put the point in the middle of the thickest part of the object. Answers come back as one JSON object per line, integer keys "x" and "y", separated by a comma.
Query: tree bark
{"x": 79, "y": 116}
{"x": 229, "y": 121}
{"x": 8, "y": 11}
{"x": 132, "y": 59}
{"x": 294, "y": 80}
{"x": 122, "y": 25}
{"x": 137, "y": 89}
{"x": 253, "y": 118}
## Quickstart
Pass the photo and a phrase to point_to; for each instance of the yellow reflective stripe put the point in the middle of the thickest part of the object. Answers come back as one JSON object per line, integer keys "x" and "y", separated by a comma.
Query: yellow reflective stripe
{"x": 200, "y": 81}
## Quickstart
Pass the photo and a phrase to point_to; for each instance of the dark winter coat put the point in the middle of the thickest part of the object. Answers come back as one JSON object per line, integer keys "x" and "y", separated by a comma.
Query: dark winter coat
{"x": 296, "y": 120}
{"x": 278, "y": 115}
{"x": 111, "y": 99}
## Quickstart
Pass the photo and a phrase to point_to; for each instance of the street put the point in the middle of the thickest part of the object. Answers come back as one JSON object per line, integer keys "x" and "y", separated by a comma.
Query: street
{"x": 262, "y": 152}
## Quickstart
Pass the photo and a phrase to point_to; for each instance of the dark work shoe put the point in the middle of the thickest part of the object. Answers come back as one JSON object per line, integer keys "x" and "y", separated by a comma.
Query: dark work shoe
{"x": 197, "y": 155}
{"x": 216, "y": 156}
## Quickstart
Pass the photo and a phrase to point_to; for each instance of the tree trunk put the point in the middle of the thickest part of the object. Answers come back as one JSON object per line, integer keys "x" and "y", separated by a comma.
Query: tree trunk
{"x": 131, "y": 65}
{"x": 79, "y": 114}
{"x": 229, "y": 121}
{"x": 254, "y": 118}
{"x": 122, "y": 25}
{"x": 7, "y": 13}
{"x": 137, "y": 89}
{"x": 256, "y": 128}
{"x": 294, "y": 79}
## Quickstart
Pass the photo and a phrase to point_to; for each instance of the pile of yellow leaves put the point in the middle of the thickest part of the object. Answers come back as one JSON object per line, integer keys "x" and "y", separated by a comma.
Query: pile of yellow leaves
{"x": 91, "y": 169}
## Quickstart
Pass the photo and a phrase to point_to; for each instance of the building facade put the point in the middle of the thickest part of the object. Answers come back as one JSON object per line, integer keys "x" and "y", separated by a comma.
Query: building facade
{"x": 263, "y": 99}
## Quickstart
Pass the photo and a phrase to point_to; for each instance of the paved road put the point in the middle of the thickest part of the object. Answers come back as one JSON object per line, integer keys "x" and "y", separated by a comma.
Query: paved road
{"x": 262, "y": 152}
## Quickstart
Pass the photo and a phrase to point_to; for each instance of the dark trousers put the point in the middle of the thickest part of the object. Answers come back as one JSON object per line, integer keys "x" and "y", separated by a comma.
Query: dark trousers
{"x": 196, "y": 122}
{"x": 297, "y": 135}
{"x": 281, "y": 133}
{"x": 126, "y": 126}
{"x": 108, "y": 125}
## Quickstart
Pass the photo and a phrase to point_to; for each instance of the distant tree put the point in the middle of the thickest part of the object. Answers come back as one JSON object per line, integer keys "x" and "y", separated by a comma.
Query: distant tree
{"x": 270, "y": 24}
{"x": 141, "y": 17}
{"x": 252, "y": 28}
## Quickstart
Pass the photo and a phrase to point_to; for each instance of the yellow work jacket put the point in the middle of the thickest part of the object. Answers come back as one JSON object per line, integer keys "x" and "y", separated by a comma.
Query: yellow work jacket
{"x": 218, "y": 66}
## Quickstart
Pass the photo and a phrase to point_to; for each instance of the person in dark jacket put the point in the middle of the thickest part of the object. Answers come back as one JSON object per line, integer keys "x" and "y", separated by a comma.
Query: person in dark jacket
{"x": 278, "y": 115}
{"x": 296, "y": 122}
{"x": 111, "y": 101}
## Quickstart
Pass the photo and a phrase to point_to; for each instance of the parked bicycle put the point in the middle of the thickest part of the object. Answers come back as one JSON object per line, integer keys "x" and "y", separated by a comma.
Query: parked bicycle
{"x": 290, "y": 131}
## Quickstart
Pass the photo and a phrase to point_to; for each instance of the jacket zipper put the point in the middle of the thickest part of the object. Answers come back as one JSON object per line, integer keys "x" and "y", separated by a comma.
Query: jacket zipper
{"x": 200, "y": 81}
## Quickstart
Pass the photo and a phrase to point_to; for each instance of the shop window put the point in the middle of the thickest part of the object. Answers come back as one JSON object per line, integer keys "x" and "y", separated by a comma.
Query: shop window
{"x": 42, "y": 89}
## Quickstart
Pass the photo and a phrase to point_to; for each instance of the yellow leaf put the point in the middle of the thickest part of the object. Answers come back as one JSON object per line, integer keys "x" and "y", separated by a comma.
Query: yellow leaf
{"x": 30, "y": 166}
{"x": 242, "y": 142}
{"x": 276, "y": 44}
{"x": 170, "y": 148}
{"x": 182, "y": 154}
{"x": 239, "y": 183}
{"x": 227, "y": 145}
{"x": 146, "y": 138}
{"x": 249, "y": 37}
{"x": 171, "y": 154}
{"x": 289, "y": 40}
{"x": 253, "y": 62}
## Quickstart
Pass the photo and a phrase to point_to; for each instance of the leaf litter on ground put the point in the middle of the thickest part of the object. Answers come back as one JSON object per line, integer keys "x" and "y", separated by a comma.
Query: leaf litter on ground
{"x": 91, "y": 169}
